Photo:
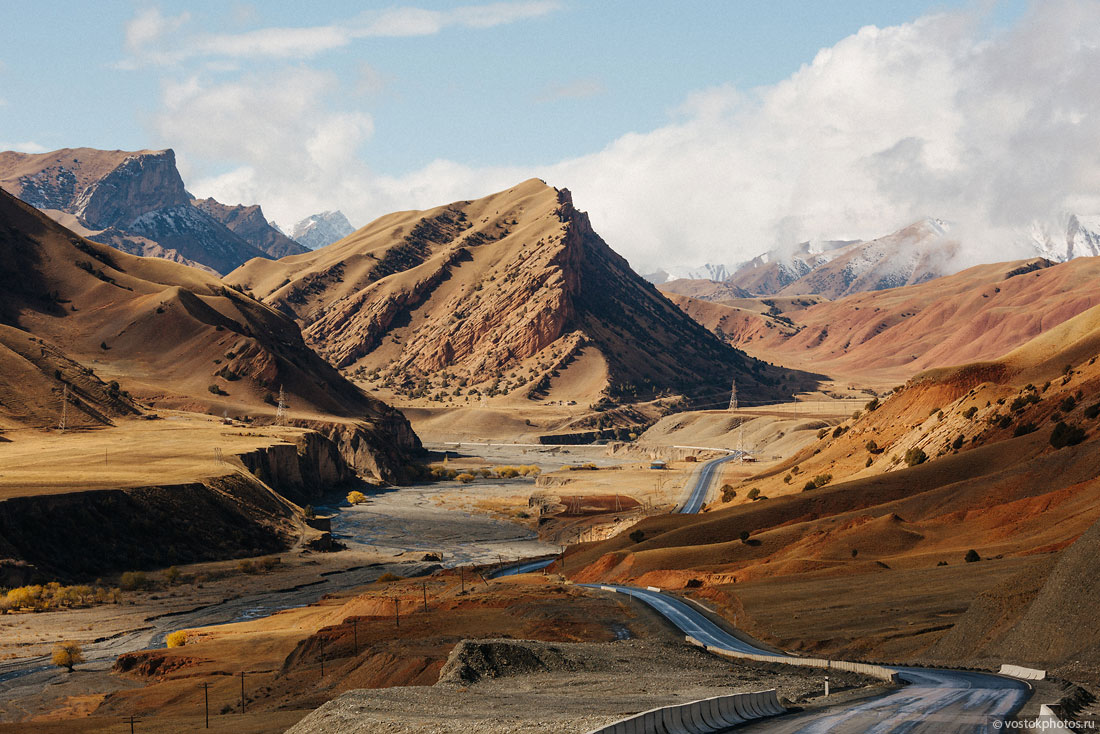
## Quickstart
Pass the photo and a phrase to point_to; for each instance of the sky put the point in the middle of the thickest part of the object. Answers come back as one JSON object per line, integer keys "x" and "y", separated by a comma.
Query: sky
{"x": 691, "y": 131}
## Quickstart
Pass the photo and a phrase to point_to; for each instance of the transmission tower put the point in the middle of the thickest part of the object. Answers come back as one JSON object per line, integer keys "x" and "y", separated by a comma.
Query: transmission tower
{"x": 64, "y": 409}
{"x": 733, "y": 396}
{"x": 280, "y": 412}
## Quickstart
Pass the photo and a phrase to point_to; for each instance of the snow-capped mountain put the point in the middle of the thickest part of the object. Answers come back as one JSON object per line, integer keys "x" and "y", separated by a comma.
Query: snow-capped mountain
{"x": 1066, "y": 237}
{"x": 836, "y": 268}
{"x": 706, "y": 271}
{"x": 321, "y": 229}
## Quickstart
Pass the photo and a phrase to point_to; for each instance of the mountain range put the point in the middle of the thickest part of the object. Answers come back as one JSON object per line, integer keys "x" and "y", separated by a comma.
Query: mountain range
{"x": 137, "y": 202}
{"x": 835, "y": 268}
{"x": 112, "y": 328}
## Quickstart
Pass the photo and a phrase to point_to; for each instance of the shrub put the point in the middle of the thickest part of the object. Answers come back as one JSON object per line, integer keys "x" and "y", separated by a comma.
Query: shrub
{"x": 636, "y": 536}
{"x": 66, "y": 655}
{"x": 216, "y": 390}
{"x": 870, "y": 460}
{"x": 465, "y": 477}
{"x": 132, "y": 581}
{"x": 969, "y": 412}
{"x": 693, "y": 584}
{"x": 728, "y": 493}
{"x": 972, "y": 556}
{"x": 958, "y": 442}
{"x": 915, "y": 456}
{"x": 309, "y": 512}
{"x": 753, "y": 493}
{"x": 172, "y": 575}
{"x": 822, "y": 479}
{"x": 1065, "y": 434}
{"x": 839, "y": 431}
{"x": 744, "y": 536}
{"x": 246, "y": 566}
{"x": 176, "y": 639}
{"x": 787, "y": 479}
{"x": 356, "y": 497}
{"x": 808, "y": 486}
{"x": 1092, "y": 411}
{"x": 387, "y": 578}
{"x": 1023, "y": 429}
{"x": 872, "y": 446}
{"x": 1068, "y": 403}
{"x": 871, "y": 405}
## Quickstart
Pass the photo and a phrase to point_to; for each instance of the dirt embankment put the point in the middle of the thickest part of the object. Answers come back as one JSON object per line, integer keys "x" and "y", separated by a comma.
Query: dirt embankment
{"x": 239, "y": 513}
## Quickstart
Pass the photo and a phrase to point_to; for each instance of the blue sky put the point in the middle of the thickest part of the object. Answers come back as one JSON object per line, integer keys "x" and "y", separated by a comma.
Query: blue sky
{"x": 370, "y": 107}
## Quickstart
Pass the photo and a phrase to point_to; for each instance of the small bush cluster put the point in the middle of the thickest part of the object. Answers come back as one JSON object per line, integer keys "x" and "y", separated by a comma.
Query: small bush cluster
{"x": 51, "y": 596}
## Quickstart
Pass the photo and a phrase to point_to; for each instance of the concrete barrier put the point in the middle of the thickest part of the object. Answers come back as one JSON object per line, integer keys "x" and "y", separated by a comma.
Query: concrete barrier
{"x": 705, "y": 716}
{"x": 1017, "y": 671}
{"x": 1048, "y": 720}
{"x": 874, "y": 671}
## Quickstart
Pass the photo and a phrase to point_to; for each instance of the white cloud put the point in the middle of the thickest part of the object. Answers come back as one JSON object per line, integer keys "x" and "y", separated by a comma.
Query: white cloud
{"x": 24, "y": 147}
{"x": 150, "y": 27}
{"x": 151, "y": 37}
{"x": 935, "y": 117}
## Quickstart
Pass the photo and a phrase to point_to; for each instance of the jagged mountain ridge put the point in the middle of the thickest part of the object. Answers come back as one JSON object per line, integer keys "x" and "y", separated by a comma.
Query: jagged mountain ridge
{"x": 137, "y": 202}
{"x": 513, "y": 293}
{"x": 320, "y": 230}
{"x": 249, "y": 223}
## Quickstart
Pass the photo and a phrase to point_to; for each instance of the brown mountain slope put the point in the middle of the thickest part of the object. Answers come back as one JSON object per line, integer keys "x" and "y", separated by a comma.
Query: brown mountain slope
{"x": 704, "y": 290}
{"x": 977, "y": 314}
{"x": 170, "y": 334}
{"x": 250, "y": 223}
{"x": 1002, "y": 457}
{"x": 133, "y": 200}
{"x": 510, "y": 294}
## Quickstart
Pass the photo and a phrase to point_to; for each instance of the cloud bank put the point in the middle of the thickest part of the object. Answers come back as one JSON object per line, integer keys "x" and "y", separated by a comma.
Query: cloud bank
{"x": 943, "y": 117}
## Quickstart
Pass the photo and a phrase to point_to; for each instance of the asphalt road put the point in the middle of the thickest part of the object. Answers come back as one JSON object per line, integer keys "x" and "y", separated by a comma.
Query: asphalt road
{"x": 699, "y": 492}
{"x": 935, "y": 701}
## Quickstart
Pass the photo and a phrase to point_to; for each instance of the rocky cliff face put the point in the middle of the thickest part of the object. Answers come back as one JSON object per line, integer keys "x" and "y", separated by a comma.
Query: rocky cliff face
{"x": 137, "y": 202}
{"x": 249, "y": 223}
{"x": 511, "y": 294}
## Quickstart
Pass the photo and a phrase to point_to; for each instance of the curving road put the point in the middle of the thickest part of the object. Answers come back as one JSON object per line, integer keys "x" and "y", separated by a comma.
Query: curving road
{"x": 518, "y": 568}
{"x": 934, "y": 702}
{"x": 699, "y": 492}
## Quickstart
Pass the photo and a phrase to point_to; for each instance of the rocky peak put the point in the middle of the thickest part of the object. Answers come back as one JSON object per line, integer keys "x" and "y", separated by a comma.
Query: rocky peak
{"x": 322, "y": 229}
{"x": 141, "y": 183}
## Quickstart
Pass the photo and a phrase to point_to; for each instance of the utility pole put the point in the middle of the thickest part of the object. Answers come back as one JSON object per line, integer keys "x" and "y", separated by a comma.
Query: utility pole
{"x": 206, "y": 702}
{"x": 280, "y": 411}
{"x": 425, "y": 597}
{"x": 64, "y": 409}
{"x": 242, "y": 691}
{"x": 397, "y": 611}
{"x": 132, "y": 722}
{"x": 733, "y": 396}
